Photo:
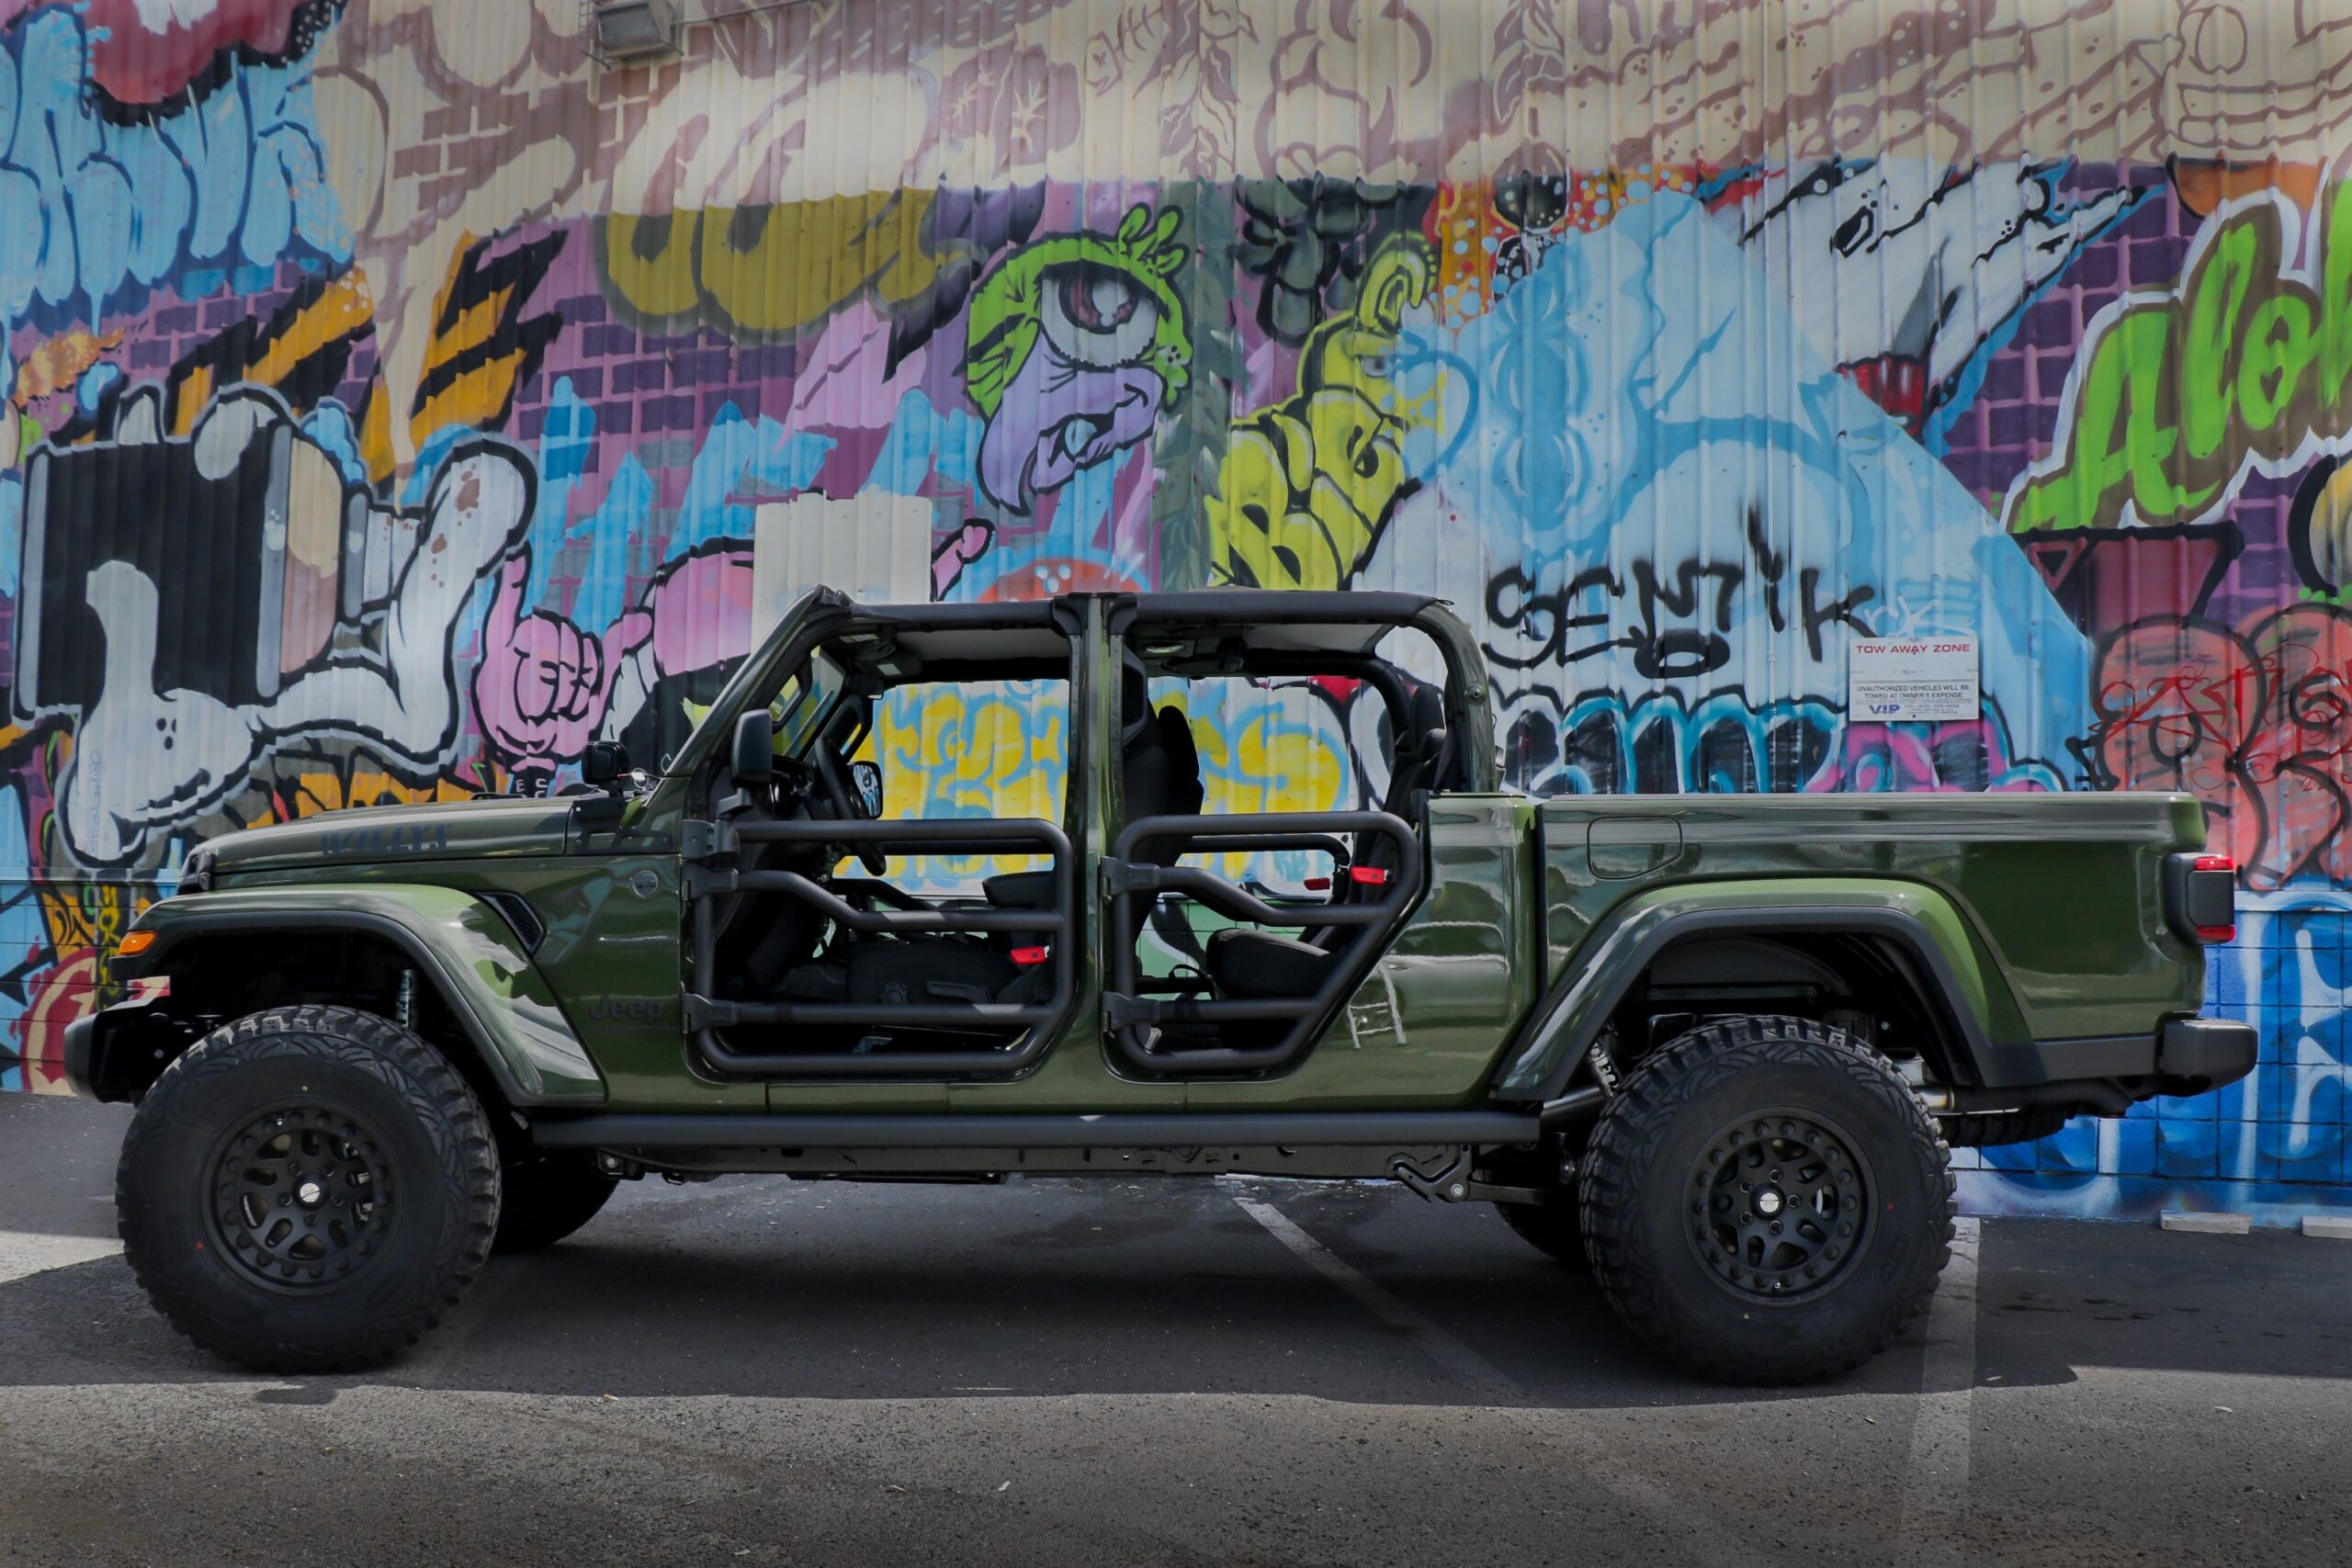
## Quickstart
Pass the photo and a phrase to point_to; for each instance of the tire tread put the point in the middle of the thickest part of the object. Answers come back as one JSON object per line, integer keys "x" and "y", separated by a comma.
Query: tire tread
{"x": 1691, "y": 1064}
{"x": 443, "y": 1105}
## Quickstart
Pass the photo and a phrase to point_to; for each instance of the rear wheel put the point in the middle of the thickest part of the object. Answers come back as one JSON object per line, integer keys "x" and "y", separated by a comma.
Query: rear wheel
{"x": 1766, "y": 1201}
{"x": 548, "y": 1196}
{"x": 308, "y": 1190}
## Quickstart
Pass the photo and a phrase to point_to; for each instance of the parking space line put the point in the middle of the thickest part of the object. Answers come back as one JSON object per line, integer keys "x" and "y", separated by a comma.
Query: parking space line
{"x": 1698, "y": 1536}
{"x": 1935, "y": 1489}
{"x": 24, "y": 1252}
{"x": 1464, "y": 1364}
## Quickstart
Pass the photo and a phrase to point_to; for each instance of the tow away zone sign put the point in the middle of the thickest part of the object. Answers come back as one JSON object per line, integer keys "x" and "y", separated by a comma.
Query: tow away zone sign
{"x": 1911, "y": 680}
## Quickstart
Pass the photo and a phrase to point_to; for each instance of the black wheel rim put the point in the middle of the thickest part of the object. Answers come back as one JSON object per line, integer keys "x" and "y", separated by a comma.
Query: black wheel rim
{"x": 1780, "y": 1205}
{"x": 301, "y": 1197}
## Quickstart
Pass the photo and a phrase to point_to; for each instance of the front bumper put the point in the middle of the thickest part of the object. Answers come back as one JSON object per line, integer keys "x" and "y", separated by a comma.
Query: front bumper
{"x": 81, "y": 1043}
{"x": 115, "y": 1052}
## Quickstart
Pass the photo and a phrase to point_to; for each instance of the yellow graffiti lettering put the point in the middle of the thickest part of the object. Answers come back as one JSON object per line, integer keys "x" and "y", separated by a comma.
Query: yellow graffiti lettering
{"x": 1308, "y": 485}
{"x": 768, "y": 272}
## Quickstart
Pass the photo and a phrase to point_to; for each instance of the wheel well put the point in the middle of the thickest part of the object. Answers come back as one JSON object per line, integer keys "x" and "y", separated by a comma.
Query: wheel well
{"x": 215, "y": 979}
{"x": 1868, "y": 984}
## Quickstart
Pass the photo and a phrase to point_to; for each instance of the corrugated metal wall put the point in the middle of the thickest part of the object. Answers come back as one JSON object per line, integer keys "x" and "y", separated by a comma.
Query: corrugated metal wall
{"x": 398, "y": 401}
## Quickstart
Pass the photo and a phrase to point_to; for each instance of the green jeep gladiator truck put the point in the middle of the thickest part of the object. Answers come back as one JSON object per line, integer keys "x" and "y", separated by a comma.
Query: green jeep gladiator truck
{"x": 1715, "y": 1047}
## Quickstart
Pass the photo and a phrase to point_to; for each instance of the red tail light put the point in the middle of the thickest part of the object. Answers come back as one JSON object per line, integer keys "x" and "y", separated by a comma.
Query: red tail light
{"x": 2201, "y": 897}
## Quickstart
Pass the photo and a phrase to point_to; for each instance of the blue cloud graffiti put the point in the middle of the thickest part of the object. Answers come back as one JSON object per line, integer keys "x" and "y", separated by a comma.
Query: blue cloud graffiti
{"x": 101, "y": 212}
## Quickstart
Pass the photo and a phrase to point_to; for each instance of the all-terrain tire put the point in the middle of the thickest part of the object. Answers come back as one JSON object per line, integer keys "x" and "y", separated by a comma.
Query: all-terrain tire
{"x": 1765, "y": 1201}
{"x": 1552, "y": 1229}
{"x": 308, "y": 1190}
{"x": 2007, "y": 1127}
{"x": 546, "y": 1196}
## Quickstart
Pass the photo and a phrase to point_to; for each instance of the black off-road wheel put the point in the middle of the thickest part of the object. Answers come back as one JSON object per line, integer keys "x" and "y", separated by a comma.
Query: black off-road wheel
{"x": 548, "y": 1196}
{"x": 1766, "y": 1201}
{"x": 1552, "y": 1229}
{"x": 308, "y": 1190}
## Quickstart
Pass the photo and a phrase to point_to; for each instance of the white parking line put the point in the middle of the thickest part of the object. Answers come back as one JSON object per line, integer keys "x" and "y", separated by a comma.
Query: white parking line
{"x": 1466, "y": 1366}
{"x": 1935, "y": 1490}
{"x": 29, "y": 1252}
{"x": 1697, "y": 1536}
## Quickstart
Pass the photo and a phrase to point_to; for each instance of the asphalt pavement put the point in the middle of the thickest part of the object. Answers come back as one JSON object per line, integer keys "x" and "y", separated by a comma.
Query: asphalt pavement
{"x": 1226, "y": 1372}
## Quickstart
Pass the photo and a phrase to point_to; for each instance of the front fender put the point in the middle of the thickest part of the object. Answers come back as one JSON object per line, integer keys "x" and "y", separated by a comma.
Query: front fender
{"x": 459, "y": 944}
{"x": 1980, "y": 1011}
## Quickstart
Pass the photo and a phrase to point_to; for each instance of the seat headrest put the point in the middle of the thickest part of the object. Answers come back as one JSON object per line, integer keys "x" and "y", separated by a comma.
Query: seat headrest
{"x": 1426, "y": 708}
{"x": 1135, "y": 699}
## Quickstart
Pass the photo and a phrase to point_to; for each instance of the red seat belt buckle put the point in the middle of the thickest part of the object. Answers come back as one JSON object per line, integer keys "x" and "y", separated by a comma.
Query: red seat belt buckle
{"x": 1028, "y": 957}
{"x": 1369, "y": 875}
{"x": 1318, "y": 884}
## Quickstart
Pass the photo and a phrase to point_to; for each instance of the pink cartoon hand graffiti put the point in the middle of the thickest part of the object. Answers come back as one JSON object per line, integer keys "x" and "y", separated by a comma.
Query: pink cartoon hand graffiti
{"x": 543, "y": 685}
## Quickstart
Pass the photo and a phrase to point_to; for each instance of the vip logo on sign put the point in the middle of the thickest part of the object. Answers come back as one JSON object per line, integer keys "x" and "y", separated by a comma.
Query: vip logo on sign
{"x": 1912, "y": 680}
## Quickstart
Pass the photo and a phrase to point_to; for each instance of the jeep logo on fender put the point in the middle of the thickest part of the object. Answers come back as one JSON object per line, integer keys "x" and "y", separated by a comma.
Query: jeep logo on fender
{"x": 625, "y": 1010}
{"x": 386, "y": 840}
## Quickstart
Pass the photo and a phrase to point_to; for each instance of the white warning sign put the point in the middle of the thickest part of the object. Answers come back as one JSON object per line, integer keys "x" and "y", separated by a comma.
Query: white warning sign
{"x": 1908, "y": 679}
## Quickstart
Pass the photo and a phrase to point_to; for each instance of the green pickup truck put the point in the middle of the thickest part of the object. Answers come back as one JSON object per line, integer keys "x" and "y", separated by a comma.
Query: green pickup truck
{"x": 1714, "y": 1047}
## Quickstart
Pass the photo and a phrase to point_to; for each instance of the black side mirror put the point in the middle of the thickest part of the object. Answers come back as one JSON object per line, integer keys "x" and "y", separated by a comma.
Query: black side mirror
{"x": 865, "y": 783}
{"x": 753, "y": 759}
{"x": 603, "y": 763}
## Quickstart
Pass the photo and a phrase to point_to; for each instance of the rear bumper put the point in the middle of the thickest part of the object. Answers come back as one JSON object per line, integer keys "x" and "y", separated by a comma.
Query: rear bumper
{"x": 2202, "y": 1053}
{"x": 2107, "y": 1075}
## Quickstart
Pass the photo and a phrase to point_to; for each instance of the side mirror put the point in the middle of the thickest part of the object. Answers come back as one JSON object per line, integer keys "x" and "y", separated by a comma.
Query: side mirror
{"x": 865, "y": 782}
{"x": 604, "y": 763}
{"x": 753, "y": 759}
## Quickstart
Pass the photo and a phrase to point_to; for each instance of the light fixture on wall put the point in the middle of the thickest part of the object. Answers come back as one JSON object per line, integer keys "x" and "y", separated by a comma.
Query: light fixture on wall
{"x": 631, "y": 29}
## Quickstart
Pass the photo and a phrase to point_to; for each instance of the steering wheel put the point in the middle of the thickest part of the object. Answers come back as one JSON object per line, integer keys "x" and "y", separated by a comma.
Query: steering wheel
{"x": 829, "y": 773}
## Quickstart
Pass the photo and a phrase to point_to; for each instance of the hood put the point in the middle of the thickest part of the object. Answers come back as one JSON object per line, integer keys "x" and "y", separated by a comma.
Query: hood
{"x": 457, "y": 829}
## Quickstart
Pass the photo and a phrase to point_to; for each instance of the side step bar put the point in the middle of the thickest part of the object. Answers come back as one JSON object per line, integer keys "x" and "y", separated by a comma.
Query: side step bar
{"x": 1133, "y": 1131}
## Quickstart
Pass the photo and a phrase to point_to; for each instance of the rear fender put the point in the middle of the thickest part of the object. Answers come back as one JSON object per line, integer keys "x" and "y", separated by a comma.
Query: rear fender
{"x": 1981, "y": 1017}
{"x": 459, "y": 945}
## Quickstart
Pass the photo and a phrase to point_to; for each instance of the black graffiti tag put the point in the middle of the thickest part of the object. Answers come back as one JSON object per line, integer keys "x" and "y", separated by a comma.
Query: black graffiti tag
{"x": 1684, "y": 612}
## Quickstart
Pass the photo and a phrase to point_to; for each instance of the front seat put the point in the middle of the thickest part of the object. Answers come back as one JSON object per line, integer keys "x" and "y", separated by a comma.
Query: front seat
{"x": 1160, "y": 775}
{"x": 1249, "y": 963}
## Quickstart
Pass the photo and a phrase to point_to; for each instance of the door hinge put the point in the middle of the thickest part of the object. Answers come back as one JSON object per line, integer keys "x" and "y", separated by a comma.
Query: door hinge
{"x": 1121, "y": 1010}
{"x": 700, "y": 1013}
{"x": 700, "y": 881}
{"x": 706, "y": 841}
{"x": 1121, "y": 877}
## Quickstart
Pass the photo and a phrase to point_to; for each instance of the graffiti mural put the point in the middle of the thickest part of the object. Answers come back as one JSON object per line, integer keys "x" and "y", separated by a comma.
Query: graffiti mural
{"x": 396, "y": 402}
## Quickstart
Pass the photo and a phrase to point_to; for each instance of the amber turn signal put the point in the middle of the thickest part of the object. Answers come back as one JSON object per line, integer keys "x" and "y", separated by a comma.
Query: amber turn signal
{"x": 134, "y": 945}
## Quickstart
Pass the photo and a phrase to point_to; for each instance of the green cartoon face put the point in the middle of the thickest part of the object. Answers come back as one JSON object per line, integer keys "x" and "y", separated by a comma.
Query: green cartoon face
{"x": 1074, "y": 346}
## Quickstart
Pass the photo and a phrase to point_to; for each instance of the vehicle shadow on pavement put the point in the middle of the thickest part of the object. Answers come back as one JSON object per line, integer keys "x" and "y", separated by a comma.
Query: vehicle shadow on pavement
{"x": 765, "y": 1287}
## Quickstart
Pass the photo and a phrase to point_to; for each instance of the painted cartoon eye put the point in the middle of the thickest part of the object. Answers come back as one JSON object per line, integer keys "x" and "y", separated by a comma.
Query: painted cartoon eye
{"x": 1097, "y": 315}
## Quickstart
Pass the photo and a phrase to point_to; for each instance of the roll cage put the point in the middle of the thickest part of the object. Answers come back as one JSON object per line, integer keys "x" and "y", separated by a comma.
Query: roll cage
{"x": 984, "y": 986}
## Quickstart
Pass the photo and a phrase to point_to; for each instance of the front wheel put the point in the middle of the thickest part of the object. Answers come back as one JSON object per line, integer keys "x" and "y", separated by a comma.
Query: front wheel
{"x": 308, "y": 1190}
{"x": 1766, "y": 1202}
